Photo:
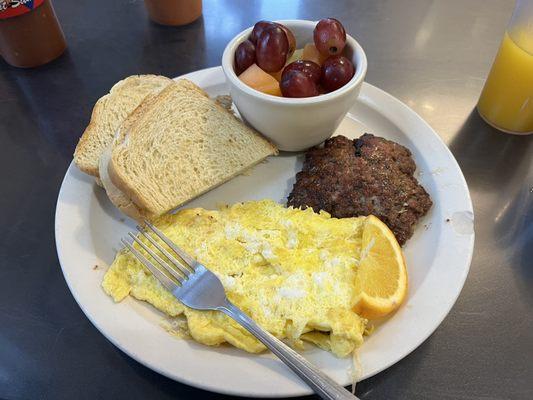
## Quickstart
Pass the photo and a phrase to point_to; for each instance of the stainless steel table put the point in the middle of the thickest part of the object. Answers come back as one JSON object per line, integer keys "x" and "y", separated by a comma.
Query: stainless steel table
{"x": 432, "y": 54}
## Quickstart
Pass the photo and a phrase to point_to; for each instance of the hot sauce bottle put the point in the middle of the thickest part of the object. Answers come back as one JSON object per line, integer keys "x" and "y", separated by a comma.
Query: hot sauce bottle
{"x": 30, "y": 34}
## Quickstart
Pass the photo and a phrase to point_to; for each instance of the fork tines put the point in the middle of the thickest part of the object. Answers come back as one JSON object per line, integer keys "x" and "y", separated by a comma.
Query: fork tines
{"x": 171, "y": 271}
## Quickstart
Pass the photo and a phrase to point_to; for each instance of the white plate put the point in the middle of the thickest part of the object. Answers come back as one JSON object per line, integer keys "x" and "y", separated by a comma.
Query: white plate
{"x": 438, "y": 256}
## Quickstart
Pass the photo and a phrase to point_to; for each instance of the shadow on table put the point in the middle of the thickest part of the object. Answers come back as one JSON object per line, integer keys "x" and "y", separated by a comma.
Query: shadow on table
{"x": 173, "y": 50}
{"x": 48, "y": 110}
{"x": 490, "y": 158}
{"x": 498, "y": 170}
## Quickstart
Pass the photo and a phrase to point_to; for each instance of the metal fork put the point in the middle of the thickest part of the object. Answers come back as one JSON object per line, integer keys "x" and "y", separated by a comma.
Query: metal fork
{"x": 197, "y": 287}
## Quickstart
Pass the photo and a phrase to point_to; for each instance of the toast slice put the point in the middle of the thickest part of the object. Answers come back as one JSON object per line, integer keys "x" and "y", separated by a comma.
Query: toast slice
{"x": 176, "y": 146}
{"x": 109, "y": 112}
{"x": 115, "y": 195}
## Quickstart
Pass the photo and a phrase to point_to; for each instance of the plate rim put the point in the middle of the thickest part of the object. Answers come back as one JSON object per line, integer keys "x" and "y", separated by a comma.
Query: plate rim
{"x": 368, "y": 92}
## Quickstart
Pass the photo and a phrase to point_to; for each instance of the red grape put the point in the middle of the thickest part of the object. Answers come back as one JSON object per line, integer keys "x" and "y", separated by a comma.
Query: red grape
{"x": 290, "y": 38}
{"x": 336, "y": 72}
{"x": 259, "y": 27}
{"x": 244, "y": 56}
{"x": 329, "y": 36}
{"x": 309, "y": 68}
{"x": 271, "y": 49}
{"x": 297, "y": 84}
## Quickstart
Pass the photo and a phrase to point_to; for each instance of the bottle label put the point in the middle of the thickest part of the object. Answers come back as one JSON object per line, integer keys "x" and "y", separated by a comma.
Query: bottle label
{"x": 14, "y": 8}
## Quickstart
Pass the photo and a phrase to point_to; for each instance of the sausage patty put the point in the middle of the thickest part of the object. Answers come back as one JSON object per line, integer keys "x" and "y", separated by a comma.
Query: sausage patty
{"x": 364, "y": 176}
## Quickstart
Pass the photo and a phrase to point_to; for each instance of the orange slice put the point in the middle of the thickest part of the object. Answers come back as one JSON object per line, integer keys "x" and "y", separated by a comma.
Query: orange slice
{"x": 382, "y": 275}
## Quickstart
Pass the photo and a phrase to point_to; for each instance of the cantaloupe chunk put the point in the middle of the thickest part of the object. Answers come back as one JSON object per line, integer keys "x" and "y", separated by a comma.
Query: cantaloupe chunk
{"x": 311, "y": 53}
{"x": 258, "y": 79}
{"x": 277, "y": 75}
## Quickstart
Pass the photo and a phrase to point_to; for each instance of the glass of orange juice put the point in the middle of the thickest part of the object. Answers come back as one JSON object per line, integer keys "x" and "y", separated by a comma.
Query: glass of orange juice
{"x": 506, "y": 101}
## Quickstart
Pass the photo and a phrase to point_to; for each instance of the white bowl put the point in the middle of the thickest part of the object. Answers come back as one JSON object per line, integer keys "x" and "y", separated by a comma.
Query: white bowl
{"x": 295, "y": 124}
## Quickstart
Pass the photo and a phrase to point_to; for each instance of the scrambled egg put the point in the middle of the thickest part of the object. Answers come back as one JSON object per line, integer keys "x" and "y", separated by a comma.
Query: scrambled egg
{"x": 291, "y": 270}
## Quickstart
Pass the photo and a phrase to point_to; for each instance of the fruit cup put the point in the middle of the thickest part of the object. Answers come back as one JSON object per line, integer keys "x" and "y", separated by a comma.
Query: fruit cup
{"x": 295, "y": 124}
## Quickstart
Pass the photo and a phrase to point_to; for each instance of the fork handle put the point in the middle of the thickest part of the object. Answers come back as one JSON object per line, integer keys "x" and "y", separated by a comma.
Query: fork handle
{"x": 322, "y": 384}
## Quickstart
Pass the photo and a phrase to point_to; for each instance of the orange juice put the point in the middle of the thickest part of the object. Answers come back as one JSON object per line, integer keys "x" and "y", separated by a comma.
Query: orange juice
{"x": 507, "y": 98}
